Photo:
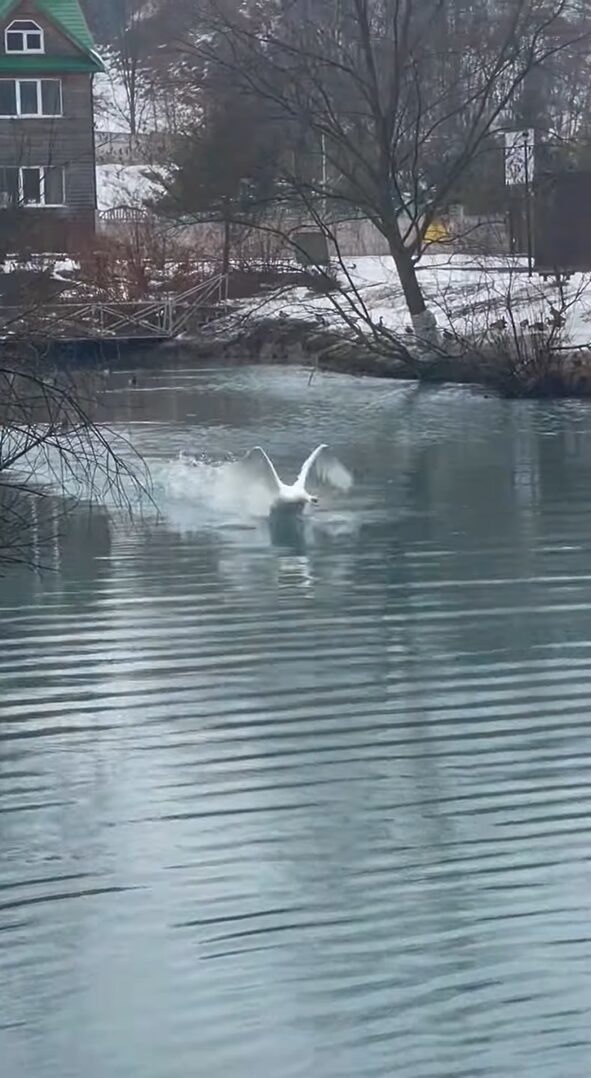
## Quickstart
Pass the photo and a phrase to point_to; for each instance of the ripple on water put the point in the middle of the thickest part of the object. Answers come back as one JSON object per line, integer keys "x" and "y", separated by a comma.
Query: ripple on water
{"x": 321, "y": 810}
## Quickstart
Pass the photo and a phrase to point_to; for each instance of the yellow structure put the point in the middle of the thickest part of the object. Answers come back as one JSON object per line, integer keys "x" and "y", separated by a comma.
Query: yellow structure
{"x": 436, "y": 233}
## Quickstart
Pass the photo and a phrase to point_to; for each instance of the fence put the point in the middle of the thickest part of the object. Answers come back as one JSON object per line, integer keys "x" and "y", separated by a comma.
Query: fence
{"x": 162, "y": 318}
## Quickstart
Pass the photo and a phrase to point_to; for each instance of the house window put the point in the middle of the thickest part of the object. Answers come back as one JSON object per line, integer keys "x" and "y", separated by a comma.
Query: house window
{"x": 32, "y": 186}
{"x": 24, "y": 36}
{"x": 53, "y": 185}
{"x": 30, "y": 97}
{"x": 9, "y": 194}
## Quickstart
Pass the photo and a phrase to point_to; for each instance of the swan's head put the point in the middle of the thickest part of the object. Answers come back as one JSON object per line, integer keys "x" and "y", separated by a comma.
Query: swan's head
{"x": 313, "y": 499}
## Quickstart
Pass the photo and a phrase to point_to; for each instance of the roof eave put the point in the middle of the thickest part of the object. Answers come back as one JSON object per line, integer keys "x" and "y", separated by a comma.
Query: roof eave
{"x": 54, "y": 65}
{"x": 98, "y": 61}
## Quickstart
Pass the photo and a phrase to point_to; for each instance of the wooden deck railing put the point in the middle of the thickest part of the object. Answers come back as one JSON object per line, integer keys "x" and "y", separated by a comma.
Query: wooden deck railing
{"x": 165, "y": 317}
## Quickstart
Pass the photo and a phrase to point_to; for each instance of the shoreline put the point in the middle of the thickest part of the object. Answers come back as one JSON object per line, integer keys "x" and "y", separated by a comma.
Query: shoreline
{"x": 301, "y": 342}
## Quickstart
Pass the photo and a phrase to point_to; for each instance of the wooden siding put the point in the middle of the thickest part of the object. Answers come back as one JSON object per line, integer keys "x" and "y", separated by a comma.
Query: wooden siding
{"x": 46, "y": 231}
{"x": 61, "y": 140}
{"x": 66, "y": 140}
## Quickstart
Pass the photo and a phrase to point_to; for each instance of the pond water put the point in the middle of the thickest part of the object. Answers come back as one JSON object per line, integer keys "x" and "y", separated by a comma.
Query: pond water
{"x": 318, "y": 809}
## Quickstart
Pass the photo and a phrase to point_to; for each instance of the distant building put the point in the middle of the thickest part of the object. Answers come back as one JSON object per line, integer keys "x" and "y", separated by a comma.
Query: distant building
{"x": 47, "y": 148}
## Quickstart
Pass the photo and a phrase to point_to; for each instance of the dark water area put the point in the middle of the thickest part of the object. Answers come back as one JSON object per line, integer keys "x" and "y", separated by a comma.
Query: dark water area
{"x": 316, "y": 807}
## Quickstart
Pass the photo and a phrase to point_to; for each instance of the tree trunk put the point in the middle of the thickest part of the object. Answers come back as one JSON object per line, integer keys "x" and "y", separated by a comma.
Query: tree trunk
{"x": 423, "y": 320}
{"x": 415, "y": 301}
{"x": 226, "y": 246}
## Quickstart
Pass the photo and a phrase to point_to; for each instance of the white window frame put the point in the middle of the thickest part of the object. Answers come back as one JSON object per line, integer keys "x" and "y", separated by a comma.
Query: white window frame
{"x": 34, "y": 115}
{"x": 34, "y": 28}
{"x": 42, "y": 204}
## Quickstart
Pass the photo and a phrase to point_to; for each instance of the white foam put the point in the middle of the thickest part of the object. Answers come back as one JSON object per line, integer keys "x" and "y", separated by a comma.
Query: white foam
{"x": 192, "y": 492}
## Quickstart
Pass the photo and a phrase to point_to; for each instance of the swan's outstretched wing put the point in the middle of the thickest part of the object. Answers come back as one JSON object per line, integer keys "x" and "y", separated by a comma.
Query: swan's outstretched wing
{"x": 257, "y": 467}
{"x": 326, "y": 468}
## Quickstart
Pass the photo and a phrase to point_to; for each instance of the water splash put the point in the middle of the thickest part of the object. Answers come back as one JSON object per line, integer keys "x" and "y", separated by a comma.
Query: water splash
{"x": 192, "y": 491}
{"x": 196, "y": 493}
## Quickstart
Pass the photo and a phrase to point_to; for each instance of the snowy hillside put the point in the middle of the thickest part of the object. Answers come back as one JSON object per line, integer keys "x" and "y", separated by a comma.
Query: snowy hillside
{"x": 466, "y": 294}
{"x": 122, "y": 186}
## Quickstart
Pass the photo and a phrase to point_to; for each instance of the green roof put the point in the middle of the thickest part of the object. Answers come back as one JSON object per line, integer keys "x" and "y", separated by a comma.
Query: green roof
{"x": 38, "y": 65}
{"x": 68, "y": 17}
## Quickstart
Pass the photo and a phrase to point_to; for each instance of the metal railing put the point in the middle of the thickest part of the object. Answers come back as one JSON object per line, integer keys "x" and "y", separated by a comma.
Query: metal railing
{"x": 165, "y": 317}
{"x": 129, "y": 214}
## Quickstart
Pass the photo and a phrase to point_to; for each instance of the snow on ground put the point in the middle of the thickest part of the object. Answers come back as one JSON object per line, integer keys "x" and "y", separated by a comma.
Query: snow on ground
{"x": 466, "y": 293}
{"x": 56, "y": 265}
{"x": 122, "y": 186}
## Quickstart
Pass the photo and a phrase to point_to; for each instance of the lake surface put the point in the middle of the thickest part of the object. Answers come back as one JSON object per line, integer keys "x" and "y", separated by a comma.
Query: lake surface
{"x": 319, "y": 809}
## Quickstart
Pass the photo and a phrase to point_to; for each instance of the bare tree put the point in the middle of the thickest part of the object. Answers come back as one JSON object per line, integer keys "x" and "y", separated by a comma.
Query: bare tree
{"x": 126, "y": 94}
{"x": 51, "y": 444}
{"x": 389, "y": 102}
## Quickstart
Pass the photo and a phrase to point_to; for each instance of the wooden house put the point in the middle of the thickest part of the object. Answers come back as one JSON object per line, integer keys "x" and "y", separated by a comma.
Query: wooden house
{"x": 47, "y": 149}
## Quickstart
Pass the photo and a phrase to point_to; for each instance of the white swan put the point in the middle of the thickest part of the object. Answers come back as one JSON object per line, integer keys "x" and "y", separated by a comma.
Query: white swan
{"x": 294, "y": 496}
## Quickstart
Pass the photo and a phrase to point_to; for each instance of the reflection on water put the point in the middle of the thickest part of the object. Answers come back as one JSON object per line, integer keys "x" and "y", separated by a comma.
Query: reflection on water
{"x": 315, "y": 807}
{"x": 288, "y": 530}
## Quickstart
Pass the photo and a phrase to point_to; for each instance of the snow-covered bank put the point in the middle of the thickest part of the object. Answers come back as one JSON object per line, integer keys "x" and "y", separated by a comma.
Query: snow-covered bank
{"x": 466, "y": 293}
{"x": 497, "y": 326}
